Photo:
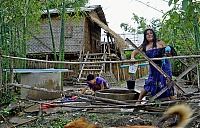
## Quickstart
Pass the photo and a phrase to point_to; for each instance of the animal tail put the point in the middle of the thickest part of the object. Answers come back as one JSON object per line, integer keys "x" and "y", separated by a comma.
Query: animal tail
{"x": 184, "y": 111}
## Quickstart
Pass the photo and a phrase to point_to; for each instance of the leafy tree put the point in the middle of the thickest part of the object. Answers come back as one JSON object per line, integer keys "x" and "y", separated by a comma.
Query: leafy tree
{"x": 142, "y": 24}
{"x": 179, "y": 28}
{"x": 182, "y": 26}
{"x": 19, "y": 19}
{"x": 140, "y": 21}
{"x": 19, "y": 22}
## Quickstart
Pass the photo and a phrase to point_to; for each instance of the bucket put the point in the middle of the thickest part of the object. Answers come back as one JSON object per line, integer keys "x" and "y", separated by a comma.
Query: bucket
{"x": 130, "y": 84}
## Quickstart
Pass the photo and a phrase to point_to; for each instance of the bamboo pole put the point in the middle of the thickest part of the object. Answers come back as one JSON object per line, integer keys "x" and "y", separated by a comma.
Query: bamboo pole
{"x": 46, "y": 64}
{"x": 0, "y": 68}
{"x": 11, "y": 70}
{"x": 51, "y": 30}
{"x": 62, "y": 35}
{"x": 99, "y": 62}
{"x": 118, "y": 72}
{"x": 124, "y": 74}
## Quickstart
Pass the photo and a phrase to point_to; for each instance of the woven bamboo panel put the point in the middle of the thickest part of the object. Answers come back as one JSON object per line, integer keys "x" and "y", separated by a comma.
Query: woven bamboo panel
{"x": 74, "y": 37}
{"x": 110, "y": 78}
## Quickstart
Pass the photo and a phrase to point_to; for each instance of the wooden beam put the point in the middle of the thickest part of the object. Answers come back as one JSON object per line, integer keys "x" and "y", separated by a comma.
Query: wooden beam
{"x": 186, "y": 71}
{"x": 100, "y": 62}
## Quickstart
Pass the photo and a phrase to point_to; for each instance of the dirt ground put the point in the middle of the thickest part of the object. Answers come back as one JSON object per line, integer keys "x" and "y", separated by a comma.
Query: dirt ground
{"x": 26, "y": 114}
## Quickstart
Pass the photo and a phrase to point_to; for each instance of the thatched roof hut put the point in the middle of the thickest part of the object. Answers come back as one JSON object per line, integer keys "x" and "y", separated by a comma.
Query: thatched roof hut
{"x": 81, "y": 35}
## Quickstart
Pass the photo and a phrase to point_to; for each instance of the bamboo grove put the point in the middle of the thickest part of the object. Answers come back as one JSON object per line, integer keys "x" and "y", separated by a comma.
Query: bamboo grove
{"x": 19, "y": 21}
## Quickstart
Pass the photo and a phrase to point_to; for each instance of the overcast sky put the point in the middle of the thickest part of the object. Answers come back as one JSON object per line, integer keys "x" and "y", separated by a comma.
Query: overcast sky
{"x": 119, "y": 11}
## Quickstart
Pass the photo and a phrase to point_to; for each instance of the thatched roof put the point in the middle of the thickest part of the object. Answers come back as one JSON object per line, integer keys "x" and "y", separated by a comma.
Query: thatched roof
{"x": 120, "y": 42}
{"x": 96, "y": 8}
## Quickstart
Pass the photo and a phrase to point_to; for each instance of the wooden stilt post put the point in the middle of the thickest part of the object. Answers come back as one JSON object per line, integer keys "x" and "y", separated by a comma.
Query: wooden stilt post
{"x": 11, "y": 71}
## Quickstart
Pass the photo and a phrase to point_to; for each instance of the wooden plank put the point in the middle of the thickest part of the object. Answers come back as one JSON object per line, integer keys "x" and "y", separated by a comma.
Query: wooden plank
{"x": 186, "y": 71}
{"x": 91, "y": 69}
{"x": 93, "y": 66}
{"x": 36, "y": 70}
{"x": 101, "y": 62}
{"x": 187, "y": 66}
{"x": 82, "y": 67}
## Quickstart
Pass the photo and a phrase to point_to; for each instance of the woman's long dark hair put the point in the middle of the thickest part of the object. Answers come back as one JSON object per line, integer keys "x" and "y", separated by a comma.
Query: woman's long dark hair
{"x": 145, "y": 41}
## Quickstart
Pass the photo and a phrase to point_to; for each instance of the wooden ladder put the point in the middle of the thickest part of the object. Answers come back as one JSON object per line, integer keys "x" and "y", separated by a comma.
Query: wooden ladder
{"x": 96, "y": 69}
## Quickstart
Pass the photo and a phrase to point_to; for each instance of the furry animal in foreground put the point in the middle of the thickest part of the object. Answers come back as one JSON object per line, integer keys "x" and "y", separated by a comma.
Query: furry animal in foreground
{"x": 183, "y": 110}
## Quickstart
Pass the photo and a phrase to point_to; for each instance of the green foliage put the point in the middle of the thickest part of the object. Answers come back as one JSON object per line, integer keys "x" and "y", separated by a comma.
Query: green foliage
{"x": 179, "y": 28}
{"x": 93, "y": 115}
{"x": 138, "y": 56}
{"x": 158, "y": 103}
{"x": 127, "y": 27}
{"x": 6, "y": 111}
{"x": 177, "y": 67}
{"x": 121, "y": 82}
{"x": 7, "y": 97}
{"x": 20, "y": 21}
{"x": 128, "y": 55}
{"x": 141, "y": 22}
{"x": 185, "y": 3}
{"x": 59, "y": 123}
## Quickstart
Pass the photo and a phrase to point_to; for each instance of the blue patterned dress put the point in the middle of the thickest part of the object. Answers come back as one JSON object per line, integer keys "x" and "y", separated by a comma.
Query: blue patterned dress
{"x": 156, "y": 81}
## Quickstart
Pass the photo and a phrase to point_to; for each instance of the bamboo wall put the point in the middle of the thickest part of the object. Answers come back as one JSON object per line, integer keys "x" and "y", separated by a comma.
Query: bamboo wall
{"x": 120, "y": 73}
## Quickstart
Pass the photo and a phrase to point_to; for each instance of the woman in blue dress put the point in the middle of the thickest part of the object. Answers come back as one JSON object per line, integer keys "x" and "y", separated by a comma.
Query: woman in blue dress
{"x": 156, "y": 81}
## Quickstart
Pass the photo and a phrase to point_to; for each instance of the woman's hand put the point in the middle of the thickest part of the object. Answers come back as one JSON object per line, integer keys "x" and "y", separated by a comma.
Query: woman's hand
{"x": 168, "y": 53}
{"x": 132, "y": 58}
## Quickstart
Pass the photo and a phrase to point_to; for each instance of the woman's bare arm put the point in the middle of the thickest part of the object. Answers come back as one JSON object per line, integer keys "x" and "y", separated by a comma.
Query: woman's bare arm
{"x": 135, "y": 52}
